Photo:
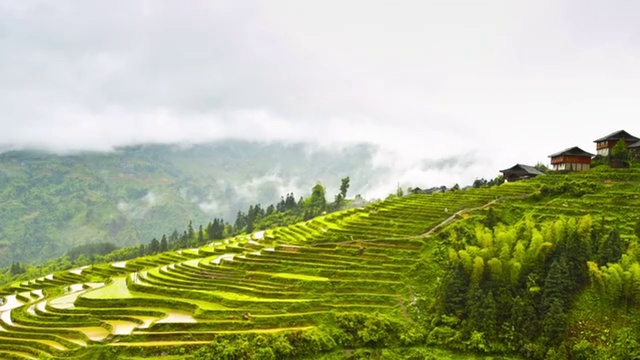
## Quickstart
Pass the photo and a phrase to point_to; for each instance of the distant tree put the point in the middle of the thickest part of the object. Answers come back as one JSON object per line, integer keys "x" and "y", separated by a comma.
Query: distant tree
{"x": 498, "y": 180}
{"x": 338, "y": 201}
{"x": 541, "y": 167}
{"x": 200, "y": 235}
{"x": 17, "y": 268}
{"x": 399, "y": 191}
{"x": 318, "y": 200}
{"x": 190, "y": 232}
{"x": 290, "y": 202}
{"x": 477, "y": 183}
{"x": 344, "y": 186}
{"x": 621, "y": 153}
{"x": 163, "y": 244}
{"x": 141, "y": 250}
{"x": 270, "y": 210}
{"x": 154, "y": 246}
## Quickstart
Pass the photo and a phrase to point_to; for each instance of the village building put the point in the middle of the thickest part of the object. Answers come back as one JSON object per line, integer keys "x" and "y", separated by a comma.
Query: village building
{"x": 635, "y": 148}
{"x": 571, "y": 159}
{"x": 520, "y": 172}
{"x": 605, "y": 144}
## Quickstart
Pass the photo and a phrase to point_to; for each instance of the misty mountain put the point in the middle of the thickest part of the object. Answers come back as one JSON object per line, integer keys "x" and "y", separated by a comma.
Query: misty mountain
{"x": 53, "y": 202}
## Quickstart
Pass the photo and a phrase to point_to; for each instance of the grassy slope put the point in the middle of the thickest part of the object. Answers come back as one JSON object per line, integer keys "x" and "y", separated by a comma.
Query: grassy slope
{"x": 374, "y": 259}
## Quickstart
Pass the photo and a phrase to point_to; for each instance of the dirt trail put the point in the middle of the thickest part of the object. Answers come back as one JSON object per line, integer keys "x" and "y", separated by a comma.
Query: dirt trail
{"x": 458, "y": 213}
{"x": 453, "y": 217}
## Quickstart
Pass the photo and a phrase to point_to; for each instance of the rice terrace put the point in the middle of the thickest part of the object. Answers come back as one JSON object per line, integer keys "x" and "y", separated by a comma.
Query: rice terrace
{"x": 369, "y": 282}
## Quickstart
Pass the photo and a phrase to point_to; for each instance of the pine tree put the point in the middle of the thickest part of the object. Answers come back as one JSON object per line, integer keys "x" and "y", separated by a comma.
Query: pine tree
{"x": 555, "y": 322}
{"x": 154, "y": 246}
{"x": 611, "y": 249}
{"x": 164, "y": 246}
{"x": 490, "y": 317}
{"x": 190, "y": 231}
{"x": 557, "y": 285}
{"x": 474, "y": 306}
{"x": 523, "y": 319}
{"x": 200, "y": 235}
{"x": 344, "y": 187}
{"x": 456, "y": 284}
{"x": 577, "y": 256}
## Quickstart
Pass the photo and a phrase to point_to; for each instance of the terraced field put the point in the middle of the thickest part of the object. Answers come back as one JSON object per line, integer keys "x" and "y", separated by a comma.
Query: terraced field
{"x": 288, "y": 279}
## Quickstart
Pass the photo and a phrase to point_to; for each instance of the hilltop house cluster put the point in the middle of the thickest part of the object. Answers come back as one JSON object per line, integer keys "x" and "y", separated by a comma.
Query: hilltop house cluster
{"x": 574, "y": 158}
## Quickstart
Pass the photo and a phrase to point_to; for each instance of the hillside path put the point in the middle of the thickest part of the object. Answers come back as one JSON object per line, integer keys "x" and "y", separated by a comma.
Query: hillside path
{"x": 458, "y": 213}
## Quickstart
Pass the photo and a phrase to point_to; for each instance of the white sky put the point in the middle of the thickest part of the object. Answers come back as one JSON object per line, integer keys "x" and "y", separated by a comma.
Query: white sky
{"x": 489, "y": 82}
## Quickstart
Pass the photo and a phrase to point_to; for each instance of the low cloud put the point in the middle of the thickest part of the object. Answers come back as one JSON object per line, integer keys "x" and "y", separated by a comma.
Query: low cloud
{"x": 480, "y": 85}
{"x": 138, "y": 208}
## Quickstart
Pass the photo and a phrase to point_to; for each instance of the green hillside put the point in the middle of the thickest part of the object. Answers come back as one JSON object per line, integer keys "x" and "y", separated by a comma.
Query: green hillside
{"x": 51, "y": 203}
{"x": 545, "y": 268}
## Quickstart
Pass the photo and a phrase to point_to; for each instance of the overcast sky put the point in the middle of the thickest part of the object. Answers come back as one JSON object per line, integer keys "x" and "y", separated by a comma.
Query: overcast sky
{"x": 489, "y": 82}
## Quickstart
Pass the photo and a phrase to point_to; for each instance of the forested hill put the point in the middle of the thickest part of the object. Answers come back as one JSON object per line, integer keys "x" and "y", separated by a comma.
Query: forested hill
{"x": 52, "y": 202}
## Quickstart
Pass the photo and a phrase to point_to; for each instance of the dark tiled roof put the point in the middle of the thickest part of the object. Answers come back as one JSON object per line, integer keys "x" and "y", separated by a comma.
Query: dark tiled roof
{"x": 572, "y": 151}
{"x": 520, "y": 168}
{"x": 618, "y": 135}
{"x": 634, "y": 145}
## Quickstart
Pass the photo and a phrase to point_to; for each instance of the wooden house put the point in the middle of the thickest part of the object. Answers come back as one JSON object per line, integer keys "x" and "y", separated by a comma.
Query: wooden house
{"x": 520, "y": 172}
{"x": 635, "y": 148}
{"x": 571, "y": 159}
{"x": 605, "y": 144}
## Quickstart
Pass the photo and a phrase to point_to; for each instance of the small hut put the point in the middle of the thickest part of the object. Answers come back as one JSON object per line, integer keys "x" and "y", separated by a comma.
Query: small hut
{"x": 520, "y": 172}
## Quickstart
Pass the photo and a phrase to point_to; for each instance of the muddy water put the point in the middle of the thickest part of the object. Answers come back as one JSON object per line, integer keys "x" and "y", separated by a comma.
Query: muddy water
{"x": 38, "y": 293}
{"x": 177, "y": 317}
{"x": 42, "y": 306}
{"x": 10, "y": 302}
{"x": 66, "y": 301}
{"x": 120, "y": 264}
{"x": 95, "y": 333}
{"x": 192, "y": 262}
{"x": 79, "y": 270}
{"x": 146, "y": 321}
{"x": 228, "y": 257}
{"x": 122, "y": 327}
{"x": 5, "y": 316}
{"x": 75, "y": 287}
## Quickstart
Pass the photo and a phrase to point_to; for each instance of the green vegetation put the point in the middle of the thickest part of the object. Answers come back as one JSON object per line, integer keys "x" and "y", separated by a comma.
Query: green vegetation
{"x": 53, "y": 203}
{"x": 545, "y": 269}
